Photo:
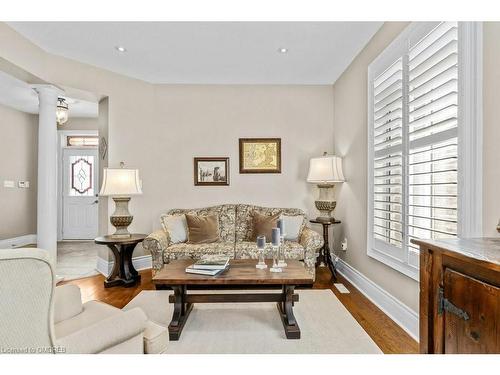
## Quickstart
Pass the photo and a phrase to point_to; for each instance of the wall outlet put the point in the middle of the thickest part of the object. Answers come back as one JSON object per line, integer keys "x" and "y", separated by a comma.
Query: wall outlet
{"x": 8, "y": 184}
{"x": 344, "y": 244}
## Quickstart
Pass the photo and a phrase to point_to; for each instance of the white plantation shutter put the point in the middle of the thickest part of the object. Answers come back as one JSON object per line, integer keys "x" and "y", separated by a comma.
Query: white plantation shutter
{"x": 388, "y": 158}
{"x": 414, "y": 147}
{"x": 433, "y": 132}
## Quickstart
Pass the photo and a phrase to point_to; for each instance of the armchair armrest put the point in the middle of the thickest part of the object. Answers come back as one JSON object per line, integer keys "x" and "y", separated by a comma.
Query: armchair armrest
{"x": 106, "y": 333}
{"x": 67, "y": 302}
{"x": 311, "y": 241}
{"x": 156, "y": 243}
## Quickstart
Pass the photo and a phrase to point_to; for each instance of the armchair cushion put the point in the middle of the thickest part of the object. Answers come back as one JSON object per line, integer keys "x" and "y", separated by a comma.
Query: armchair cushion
{"x": 92, "y": 312}
{"x": 155, "y": 338}
{"x": 68, "y": 302}
{"x": 106, "y": 333}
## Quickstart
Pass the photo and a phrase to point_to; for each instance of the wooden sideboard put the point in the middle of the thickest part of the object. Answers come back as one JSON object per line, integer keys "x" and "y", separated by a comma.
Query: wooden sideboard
{"x": 459, "y": 295}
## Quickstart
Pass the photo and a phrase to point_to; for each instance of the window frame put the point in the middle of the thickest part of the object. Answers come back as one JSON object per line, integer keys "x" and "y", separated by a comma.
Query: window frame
{"x": 469, "y": 136}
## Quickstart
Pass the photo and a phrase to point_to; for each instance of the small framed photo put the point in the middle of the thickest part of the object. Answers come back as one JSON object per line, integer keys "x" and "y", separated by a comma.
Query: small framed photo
{"x": 260, "y": 155}
{"x": 211, "y": 171}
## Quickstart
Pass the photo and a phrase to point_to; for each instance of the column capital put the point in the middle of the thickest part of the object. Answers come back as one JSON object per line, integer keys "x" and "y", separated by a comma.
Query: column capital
{"x": 47, "y": 89}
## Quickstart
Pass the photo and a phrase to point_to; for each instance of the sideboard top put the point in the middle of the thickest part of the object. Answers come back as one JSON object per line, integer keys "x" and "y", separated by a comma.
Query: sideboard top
{"x": 484, "y": 249}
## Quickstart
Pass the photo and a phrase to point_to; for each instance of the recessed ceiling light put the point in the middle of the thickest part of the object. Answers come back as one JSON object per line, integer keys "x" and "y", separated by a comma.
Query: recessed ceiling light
{"x": 121, "y": 49}
{"x": 283, "y": 50}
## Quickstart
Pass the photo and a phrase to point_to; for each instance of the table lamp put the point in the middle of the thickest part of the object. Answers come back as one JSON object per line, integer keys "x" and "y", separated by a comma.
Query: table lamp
{"x": 120, "y": 184}
{"x": 325, "y": 171}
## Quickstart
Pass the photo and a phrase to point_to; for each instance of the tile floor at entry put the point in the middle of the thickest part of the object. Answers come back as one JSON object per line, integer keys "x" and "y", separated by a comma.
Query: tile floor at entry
{"x": 76, "y": 259}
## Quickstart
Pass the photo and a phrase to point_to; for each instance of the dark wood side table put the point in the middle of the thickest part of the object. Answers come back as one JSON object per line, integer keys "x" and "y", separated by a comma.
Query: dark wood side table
{"x": 324, "y": 253}
{"x": 123, "y": 272}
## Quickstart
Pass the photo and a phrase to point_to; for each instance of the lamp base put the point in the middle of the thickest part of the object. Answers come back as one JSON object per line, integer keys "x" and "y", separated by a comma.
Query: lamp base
{"x": 325, "y": 208}
{"x": 121, "y": 218}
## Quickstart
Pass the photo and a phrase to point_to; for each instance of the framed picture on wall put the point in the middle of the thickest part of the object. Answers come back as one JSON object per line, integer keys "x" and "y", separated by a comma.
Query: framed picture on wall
{"x": 260, "y": 155}
{"x": 210, "y": 171}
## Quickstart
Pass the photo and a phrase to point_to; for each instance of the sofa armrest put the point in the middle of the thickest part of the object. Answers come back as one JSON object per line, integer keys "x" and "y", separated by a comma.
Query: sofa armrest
{"x": 106, "y": 333}
{"x": 311, "y": 241}
{"x": 157, "y": 242}
{"x": 67, "y": 302}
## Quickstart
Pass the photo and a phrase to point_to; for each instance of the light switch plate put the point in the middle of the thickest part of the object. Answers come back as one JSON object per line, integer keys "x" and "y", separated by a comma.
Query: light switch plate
{"x": 8, "y": 184}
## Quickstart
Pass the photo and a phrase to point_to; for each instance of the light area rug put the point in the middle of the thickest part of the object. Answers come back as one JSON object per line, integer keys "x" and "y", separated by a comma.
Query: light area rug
{"x": 255, "y": 328}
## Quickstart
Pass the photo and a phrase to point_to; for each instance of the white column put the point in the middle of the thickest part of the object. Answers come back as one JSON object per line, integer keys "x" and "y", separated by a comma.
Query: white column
{"x": 47, "y": 170}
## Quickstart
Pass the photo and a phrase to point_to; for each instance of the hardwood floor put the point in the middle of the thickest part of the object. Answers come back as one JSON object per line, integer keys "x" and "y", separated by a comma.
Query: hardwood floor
{"x": 386, "y": 334}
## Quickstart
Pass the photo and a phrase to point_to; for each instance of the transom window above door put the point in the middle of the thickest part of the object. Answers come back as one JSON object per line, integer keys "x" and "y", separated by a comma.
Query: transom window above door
{"x": 82, "y": 141}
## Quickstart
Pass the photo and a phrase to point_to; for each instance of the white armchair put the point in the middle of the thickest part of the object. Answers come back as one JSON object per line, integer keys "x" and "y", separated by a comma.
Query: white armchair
{"x": 37, "y": 317}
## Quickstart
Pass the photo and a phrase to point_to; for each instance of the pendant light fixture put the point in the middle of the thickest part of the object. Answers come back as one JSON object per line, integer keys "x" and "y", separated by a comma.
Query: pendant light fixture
{"x": 61, "y": 111}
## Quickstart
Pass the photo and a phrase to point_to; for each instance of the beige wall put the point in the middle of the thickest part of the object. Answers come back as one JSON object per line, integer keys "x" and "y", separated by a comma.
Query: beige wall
{"x": 208, "y": 120}
{"x": 18, "y": 155}
{"x": 350, "y": 137}
{"x": 80, "y": 123}
{"x": 491, "y": 128}
{"x": 165, "y": 138}
{"x": 128, "y": 103}
{"x": 188, "y": 121}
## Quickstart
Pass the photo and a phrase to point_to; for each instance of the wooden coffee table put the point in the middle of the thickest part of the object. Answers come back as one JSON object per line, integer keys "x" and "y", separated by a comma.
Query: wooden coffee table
{"x": 242, "y": 272}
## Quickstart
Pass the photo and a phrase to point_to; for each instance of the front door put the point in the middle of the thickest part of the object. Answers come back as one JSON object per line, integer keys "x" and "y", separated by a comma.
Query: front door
{"x": 79, "y": 191}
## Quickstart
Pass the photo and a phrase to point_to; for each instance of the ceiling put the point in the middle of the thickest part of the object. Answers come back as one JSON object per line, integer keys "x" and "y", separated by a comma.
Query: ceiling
{"x": 20, "y": 95}
{"x": 209, "y": 52}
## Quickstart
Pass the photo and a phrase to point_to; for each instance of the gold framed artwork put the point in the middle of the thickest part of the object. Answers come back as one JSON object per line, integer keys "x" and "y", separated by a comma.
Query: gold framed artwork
{"x": 211, "y": 171}
{"x": 260, "y": 155}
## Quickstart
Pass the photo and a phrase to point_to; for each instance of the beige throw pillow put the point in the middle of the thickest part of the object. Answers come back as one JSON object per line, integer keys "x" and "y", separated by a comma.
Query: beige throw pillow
{"x": 176, "y": 227}
{"x": 293, "y": 226}
{"x": 202, "y": 229}
{"x": 263, "y": 225}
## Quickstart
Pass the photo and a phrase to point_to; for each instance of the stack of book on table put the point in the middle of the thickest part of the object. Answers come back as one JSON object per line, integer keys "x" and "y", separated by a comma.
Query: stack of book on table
{"x": 209, "y": 266}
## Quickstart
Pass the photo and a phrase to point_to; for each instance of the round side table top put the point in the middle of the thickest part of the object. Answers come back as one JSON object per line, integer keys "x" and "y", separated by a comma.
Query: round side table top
{"x": 109, "y": 239}
{"x": 325, "y": 222}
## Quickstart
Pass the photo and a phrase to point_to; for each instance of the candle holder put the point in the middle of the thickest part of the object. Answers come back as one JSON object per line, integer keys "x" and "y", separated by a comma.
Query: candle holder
{"x": 261, "y": 247}
{"x": 281, "y": 252}
{"x": 275, "y": 267}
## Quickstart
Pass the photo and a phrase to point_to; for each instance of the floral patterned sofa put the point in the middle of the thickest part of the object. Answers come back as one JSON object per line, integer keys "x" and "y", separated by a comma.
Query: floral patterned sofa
{"x": 235, "y": 229}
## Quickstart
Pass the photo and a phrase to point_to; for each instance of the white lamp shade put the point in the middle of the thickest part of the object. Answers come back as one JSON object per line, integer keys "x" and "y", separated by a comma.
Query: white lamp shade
{"x": 325, "y": 169}
{"x": 120, "y": 182}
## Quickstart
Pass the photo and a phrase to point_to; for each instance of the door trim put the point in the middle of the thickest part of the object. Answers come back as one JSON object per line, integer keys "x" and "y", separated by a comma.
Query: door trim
{"x": 62, "y": 135}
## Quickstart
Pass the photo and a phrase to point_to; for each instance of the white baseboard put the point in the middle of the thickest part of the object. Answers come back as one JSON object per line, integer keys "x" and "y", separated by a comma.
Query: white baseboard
{"x": 143, "y": 262}
{"x": 20, "y": 241}
{"x": 401, "y": 314}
